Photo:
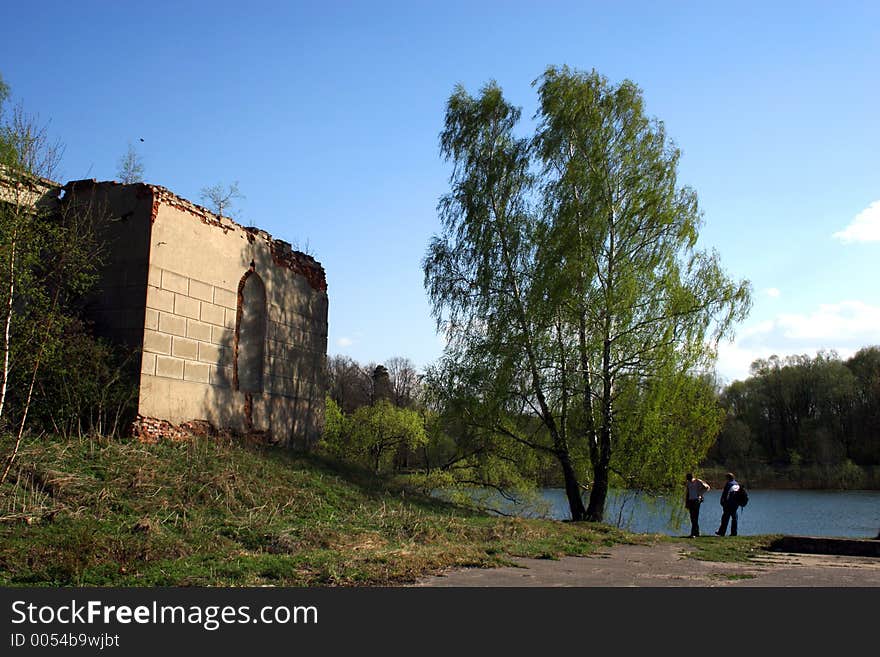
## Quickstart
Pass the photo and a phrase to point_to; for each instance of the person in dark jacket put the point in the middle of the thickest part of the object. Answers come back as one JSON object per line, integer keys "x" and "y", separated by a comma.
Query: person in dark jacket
{"x": 729, "y": 505}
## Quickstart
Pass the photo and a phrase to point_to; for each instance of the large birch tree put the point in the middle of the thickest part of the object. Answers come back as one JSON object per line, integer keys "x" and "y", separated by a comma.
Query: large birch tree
{"x": 567, "y": 275}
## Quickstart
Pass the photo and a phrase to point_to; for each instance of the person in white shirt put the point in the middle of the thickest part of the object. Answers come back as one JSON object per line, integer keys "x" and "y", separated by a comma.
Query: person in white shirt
{"x": 693, "y": 498}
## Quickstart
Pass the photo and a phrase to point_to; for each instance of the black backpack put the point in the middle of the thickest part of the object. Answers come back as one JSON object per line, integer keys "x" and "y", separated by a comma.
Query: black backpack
{"x": 742, "y": 496}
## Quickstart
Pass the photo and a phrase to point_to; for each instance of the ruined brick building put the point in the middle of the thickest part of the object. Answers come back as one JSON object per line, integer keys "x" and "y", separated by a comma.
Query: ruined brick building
{"x": 230, "y": 324}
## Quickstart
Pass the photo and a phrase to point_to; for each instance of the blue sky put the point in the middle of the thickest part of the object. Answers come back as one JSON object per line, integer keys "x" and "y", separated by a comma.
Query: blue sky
{"x": 327, "y": 114}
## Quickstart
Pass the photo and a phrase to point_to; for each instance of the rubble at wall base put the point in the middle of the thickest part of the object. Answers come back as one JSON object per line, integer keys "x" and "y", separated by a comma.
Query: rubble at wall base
{"x": 152, "y": 430}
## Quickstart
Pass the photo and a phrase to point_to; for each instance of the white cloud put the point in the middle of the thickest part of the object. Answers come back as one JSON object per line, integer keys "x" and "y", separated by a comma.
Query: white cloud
{"x": 864, "y": 228}
{"x": 843, "y": 327}
{"x": 344, "y": 342}
{"x": 734, "y": 361}
{"x": 844, "y": 321}
{"x": 772, "y": 292}
{"x": 757, "y": 329}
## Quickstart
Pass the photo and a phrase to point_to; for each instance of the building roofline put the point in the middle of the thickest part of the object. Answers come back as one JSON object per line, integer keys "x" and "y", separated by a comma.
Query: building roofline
{"x": 282, "y": 252}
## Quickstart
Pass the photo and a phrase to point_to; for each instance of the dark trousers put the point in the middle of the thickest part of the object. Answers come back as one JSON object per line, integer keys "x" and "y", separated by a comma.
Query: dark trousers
{"x": 729, "y": 513}
{"x": 693, "y": 507}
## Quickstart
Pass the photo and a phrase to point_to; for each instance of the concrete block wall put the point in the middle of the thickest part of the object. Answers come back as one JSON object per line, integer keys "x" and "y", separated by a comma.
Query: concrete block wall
{"x": 188, "y": 329}
{"x": 295, "y": 355}
{"x": 122, "y": 213}
{"x": 189, "y": 333}
{"x": 197, "y": 263}
{"x": 170, "y": 289}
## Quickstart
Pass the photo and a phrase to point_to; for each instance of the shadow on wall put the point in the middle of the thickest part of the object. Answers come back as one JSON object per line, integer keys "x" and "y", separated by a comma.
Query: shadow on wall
{"x": 270, "y": 369}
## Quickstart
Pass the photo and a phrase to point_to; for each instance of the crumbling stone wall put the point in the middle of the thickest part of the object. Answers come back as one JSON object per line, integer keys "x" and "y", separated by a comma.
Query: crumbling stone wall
{"x": 174, "y": 288}
{"x": 27, "y": 190}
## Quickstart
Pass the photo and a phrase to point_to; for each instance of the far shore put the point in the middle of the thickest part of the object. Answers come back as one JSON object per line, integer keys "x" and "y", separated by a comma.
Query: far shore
{"x": 810, "y": 477}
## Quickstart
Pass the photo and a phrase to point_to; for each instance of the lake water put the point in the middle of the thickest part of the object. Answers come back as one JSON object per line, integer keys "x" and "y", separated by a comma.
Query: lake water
{"x": 851, "y": 514}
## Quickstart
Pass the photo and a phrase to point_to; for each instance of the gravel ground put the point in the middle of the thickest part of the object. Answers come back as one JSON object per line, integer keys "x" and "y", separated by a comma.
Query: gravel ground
{"x": 666, "y": 565}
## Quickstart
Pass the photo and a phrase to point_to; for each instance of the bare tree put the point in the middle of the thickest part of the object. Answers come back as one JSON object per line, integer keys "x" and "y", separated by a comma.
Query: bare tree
{"x": 350, "y": 385}
{"x": 220, "y": 197}
{"x": 25, "y": 144}
{"x": 404, "y": 381}
{"x": 130, "y": 168}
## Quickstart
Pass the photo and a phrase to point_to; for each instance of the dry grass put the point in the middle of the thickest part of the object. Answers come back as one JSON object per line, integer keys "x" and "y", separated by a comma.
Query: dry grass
{"x": 209, "y": 512}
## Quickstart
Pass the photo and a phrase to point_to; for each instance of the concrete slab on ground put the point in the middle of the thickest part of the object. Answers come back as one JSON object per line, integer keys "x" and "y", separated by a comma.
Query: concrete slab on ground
{"x": 854, "y": 547}
{"x": 667, "y": 565}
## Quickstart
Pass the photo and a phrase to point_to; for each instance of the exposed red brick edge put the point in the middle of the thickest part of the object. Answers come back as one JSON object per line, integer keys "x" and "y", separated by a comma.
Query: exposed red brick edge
{"x": 239, "y": 303}
{"x": 282, "y": 253}
{"x": 153, "y": 430}
{"x": 297, "y": 261}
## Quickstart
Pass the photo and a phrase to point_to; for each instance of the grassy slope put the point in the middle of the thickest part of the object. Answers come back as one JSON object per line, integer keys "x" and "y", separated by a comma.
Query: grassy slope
{"x": 211, "y": 513}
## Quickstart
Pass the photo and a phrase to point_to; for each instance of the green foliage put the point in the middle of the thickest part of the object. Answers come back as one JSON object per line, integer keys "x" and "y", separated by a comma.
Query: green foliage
{"x": 6, "y": 145}
{"x": 55, "y": 376}
{"x": 667, "y": 428}
{"x": 474, "y": 447}
{"x": 802, "y": 412}
{"x": 577, "y": 310}
{"x": 372, "y": 435}
{"x": 87, "y": 387}
{"x": 334, "y": 424}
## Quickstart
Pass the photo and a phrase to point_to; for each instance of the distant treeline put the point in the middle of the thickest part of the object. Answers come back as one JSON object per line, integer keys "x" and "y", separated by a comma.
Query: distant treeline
{"x": 806, "y": 422}
{"x": 796, "y": 422}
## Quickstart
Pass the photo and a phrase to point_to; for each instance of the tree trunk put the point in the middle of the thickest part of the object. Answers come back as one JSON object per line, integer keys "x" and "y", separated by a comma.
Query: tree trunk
{"x": 601, "y": 458}
{"x": 11, "y": 458}
{"x": 572, "y": 489}
{"x": 8, "y": 322}
{"x": 596, "y": 508}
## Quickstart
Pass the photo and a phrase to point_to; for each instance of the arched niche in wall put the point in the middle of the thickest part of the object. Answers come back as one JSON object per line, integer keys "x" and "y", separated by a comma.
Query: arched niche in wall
{"x": 250, "y": 333}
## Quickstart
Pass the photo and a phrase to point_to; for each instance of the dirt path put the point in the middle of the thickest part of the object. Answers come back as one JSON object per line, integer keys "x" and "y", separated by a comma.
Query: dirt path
{"x": 666, "y": 564}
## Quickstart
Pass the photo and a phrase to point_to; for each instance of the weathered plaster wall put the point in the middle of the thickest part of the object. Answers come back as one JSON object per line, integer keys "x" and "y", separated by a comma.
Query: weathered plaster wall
{"x": 197, "y": 262}
{"x": 171, "y": 288}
